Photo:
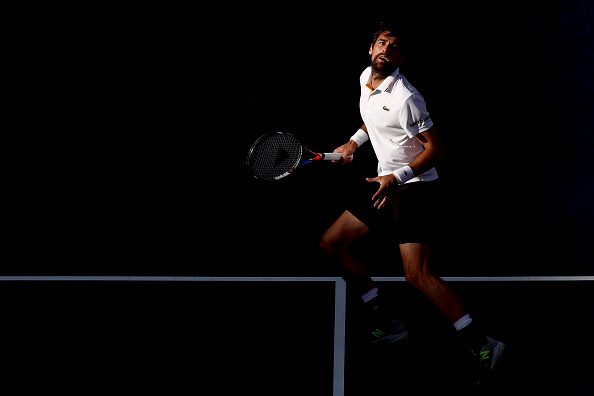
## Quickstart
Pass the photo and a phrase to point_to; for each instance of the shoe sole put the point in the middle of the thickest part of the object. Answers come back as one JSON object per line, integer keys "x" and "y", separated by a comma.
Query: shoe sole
{"x": 392, "y": 338}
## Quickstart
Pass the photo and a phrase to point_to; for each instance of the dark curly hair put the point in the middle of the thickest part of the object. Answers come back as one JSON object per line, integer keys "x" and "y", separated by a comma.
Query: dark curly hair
{"x": 392, "y": 29}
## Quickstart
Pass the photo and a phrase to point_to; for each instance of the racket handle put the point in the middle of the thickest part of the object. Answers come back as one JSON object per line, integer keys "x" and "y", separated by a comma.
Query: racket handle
{"x": 333, "y": 156}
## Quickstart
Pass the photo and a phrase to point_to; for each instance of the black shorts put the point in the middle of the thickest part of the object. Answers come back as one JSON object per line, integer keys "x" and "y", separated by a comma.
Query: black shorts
{"x": 415, "y": 211}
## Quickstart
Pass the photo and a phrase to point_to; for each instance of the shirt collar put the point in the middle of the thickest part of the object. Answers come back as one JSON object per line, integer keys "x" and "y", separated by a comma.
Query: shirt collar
{"x": 386, "y": 84}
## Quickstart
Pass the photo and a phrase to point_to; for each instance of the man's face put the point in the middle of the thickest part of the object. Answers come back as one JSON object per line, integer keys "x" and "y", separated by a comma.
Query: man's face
{"x": 385, "y": 55}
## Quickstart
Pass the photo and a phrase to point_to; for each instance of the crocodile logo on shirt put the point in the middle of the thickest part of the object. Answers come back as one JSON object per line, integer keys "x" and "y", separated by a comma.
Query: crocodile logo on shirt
{"x": 385, "y": 108}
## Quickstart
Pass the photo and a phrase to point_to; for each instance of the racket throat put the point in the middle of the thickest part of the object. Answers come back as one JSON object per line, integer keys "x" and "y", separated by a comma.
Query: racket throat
{"x": 318, "y": 157}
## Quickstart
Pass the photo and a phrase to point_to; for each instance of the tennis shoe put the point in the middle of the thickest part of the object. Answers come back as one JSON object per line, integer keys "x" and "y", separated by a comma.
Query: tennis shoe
{"x": 487, "y": 356}
{"x": 388, "y": 332}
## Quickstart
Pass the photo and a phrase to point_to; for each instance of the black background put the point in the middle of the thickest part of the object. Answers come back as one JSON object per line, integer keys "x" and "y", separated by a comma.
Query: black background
{"x": 169, "y": 337}
{"x": 126, "y": 133}
{"x": 130, "y": 127}
{"x": 277, "y": 337}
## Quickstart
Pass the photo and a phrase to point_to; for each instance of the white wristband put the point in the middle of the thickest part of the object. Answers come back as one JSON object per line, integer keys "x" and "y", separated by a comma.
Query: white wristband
{"x": 403, "y": 174}
{"x": 360, "y": 137}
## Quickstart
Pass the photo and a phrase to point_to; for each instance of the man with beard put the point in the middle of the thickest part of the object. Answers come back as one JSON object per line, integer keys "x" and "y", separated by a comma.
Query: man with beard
{"x": 405, "y": 141}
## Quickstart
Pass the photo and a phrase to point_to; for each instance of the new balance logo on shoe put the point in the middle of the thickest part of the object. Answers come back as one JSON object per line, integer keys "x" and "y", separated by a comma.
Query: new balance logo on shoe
{"x": 484, "y": 355}
{"x": 377, "y": 333}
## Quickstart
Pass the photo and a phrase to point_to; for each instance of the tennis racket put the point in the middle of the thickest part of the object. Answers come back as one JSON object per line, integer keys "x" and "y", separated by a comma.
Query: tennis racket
{"x": 275, "y": 155}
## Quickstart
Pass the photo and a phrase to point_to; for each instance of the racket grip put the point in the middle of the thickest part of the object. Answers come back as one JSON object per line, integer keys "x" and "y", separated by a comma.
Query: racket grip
{"x": 333, "y": 156}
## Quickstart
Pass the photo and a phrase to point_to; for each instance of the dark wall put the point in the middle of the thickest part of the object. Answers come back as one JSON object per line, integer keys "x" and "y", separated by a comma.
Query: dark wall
{"x": 132, "y": 126}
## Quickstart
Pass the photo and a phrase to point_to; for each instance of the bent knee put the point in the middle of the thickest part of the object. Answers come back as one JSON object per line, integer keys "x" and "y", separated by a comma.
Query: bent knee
{"x": 332, "y": 247}
{"x": 345, "y": 230}
{"x": 418, "y": 278}
{"x": 413, "y": 278}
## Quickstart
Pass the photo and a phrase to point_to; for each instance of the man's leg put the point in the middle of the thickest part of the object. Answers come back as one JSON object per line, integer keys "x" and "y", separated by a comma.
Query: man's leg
{"x": 415, "y": 257}
{"x": 384, "y": 328}
{"x": 336, "y": 240}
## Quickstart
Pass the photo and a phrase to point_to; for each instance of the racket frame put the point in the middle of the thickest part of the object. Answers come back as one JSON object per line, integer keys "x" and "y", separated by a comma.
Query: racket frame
{"x": 299, "y": 162}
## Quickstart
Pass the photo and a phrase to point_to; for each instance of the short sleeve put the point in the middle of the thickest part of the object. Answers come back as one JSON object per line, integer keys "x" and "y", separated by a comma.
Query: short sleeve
{"x": 414, "y": 117}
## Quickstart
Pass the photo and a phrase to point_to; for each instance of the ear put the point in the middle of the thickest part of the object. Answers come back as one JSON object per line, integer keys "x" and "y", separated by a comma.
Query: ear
{"x": 371, "y": 49}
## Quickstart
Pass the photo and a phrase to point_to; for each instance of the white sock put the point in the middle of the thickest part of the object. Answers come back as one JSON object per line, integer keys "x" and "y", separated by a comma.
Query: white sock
{"x": 463, "y": 322}
{"x": 369, "y": 295}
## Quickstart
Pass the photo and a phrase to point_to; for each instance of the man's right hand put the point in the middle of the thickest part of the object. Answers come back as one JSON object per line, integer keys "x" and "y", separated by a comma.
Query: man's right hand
{"x": 347, "y": 151}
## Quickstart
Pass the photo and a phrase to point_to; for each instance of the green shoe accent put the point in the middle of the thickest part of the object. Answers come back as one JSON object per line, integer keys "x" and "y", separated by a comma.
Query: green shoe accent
{"x": 377, "y": 333}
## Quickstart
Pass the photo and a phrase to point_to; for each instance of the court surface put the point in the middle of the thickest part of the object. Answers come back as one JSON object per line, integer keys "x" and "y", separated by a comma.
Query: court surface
{"x": 286, "y": 336}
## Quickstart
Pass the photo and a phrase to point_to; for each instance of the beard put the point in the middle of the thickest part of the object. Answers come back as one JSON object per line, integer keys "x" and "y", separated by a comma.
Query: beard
{"x": 381, "y": 69}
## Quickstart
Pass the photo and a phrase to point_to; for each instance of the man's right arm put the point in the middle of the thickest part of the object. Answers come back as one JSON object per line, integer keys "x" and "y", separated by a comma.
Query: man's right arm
{"x": 349, "y": 148}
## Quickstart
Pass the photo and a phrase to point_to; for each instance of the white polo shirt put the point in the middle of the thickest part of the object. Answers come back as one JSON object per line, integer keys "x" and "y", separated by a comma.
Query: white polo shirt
{"x": 393, "y": 114}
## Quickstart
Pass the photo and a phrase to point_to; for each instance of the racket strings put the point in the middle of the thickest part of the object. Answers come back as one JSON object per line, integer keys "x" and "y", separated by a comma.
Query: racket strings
{"x": 274, "y": 156}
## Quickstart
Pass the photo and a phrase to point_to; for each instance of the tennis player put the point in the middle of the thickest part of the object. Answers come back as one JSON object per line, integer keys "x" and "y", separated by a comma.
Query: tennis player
{"x": 407, "y": 146}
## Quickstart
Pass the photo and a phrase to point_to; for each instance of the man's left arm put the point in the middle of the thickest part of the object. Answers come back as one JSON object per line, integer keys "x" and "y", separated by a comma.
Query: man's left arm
{"x": 431, "y": 155}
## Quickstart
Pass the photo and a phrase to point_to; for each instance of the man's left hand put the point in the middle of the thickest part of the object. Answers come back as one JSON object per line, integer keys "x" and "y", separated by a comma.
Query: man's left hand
{"x": 387, "y": 184}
